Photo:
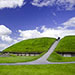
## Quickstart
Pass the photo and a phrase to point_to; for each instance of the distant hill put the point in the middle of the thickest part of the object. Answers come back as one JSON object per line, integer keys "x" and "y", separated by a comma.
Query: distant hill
{"x": 31, "y": 45}
{"x": 67, "y": 44}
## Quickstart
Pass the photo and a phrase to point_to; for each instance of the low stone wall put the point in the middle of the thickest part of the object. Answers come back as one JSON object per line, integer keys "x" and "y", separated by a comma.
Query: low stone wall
{"x": 21, "y": 54}
{"x": 5, "y": 55}
{"x": 67, "y": 54}
{"x": 27, "y": 54}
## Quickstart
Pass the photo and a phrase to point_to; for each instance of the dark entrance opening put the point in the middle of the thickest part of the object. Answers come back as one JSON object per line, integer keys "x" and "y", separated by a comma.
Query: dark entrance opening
{"x": 58, "y": 39}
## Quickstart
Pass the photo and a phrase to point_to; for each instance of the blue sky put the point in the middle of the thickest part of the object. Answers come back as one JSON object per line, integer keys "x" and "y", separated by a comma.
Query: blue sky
{"x": 29, "y": 17}
{"x": 24, "y": 19}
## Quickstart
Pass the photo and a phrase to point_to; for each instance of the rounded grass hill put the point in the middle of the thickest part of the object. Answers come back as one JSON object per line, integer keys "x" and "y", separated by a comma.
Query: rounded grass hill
{"x": 32, "y": 45}
{"x": 66, "y": 44}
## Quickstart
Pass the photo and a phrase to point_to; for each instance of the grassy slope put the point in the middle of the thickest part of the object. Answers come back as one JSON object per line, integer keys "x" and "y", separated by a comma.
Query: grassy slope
{"x": 52, "y": 69}
{"x": 67, "y": 44}
{"x": 32, "y": 45}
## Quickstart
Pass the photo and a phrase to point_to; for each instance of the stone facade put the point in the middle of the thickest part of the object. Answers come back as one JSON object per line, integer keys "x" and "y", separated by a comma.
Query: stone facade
{"x": 67, "y": 54}
{"x": 21, "y": 54}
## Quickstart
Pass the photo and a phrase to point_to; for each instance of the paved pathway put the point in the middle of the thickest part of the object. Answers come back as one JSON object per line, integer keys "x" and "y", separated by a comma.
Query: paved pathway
{"x": 41, "y": 60}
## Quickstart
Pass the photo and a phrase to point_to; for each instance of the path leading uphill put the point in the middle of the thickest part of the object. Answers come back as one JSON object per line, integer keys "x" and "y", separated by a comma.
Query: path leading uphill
{"x": 44, "y": 58}
{"x": 41, "y": 60}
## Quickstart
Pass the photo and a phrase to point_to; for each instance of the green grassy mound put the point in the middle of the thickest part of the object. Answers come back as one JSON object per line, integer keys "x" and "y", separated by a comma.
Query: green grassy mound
{"x": 67, "y": 44}
{"x": 31, "y": 45}
{"x": 52, "y": 69}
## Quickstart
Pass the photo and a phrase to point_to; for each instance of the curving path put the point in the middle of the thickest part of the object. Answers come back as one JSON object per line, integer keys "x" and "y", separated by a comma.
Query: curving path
{"x": 41, "y": 60}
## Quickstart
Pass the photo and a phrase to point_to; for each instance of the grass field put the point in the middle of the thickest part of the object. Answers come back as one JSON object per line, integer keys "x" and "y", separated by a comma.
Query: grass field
{"x": 15, "y": 59}
{"x": 32, "y": 45}
{"x": 52, "y": 69}
{"x": 67, "y": 44}
{"x": 54, "y": 57}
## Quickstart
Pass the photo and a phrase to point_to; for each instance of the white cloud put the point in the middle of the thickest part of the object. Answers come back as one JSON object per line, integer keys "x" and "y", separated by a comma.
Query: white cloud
{"x": 3, "y": 46}
{"x": 67, "y": 4}
{"x": 29, "y": 34}
{"x": 69, "y": 23}
{"x": 11, "y": 3}
{"x": 6, "y": 38}
{"x": 46, "y": 32}
{"x": 67, "y": 32}
{"x": 4, "y": 30}
{"x": 4, "y": 34}
{"x": 50, "y": 32}
{"x": 42, "y": 3}
{"x": 64, "y": 4}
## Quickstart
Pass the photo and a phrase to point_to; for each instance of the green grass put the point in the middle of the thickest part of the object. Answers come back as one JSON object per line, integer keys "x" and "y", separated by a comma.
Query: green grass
{"x": 15, "y": 59}
{"x": 52, "y": 69}
{"x": 67, "y": 44}
{"x": 0, "y": 53}
{"x": 32, "y": 45}
{"x": 54, "y": 57}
